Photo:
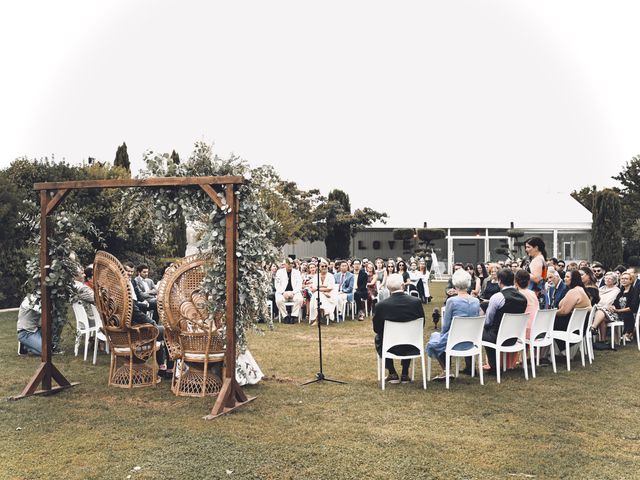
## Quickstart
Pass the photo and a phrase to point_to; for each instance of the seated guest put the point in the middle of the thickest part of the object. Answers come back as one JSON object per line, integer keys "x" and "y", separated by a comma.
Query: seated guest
{"x": 148, "y": 305}
{"x": 624, "y": 305}
{"x": 29, "y": 334}
{"x": 490, "y": 285}
{"x": 556, "y": 289}
{"x": 575, "y": 297}
{"x": 398, "y": 307}
{"x": 289, "y": 289}
{"x": 460, "y": 305}
{"x": 344, "y": 280}
{"x": 608, "y": 294}
{"x": 598, "y": 271}
{"x": 507, "y": 300}
{"x": 372, "y": 285}
{"x": 145, "y": 284}
{"x": 88, "y": 277}
{"x": 326, "y": 291}
{"x": 360, "y": 282}
{"x": 476, "y": 285}
{"x": 589, "y": 284}
{"x": 450, "y": 290}
{"x": 84, "y": 295}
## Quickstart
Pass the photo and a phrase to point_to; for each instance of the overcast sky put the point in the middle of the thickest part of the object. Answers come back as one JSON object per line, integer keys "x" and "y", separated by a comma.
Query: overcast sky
{"x": 400, "y": 104}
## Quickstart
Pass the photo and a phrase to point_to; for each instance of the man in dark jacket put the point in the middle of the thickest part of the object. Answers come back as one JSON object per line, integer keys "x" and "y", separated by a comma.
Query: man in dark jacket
{"x": 399, "y": 307}
{"x": 507, "y": 300}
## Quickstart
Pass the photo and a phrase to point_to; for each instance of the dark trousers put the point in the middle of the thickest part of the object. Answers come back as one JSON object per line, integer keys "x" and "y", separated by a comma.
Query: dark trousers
{"x": 360, "y": 296}
{"x": 396, "y": 350}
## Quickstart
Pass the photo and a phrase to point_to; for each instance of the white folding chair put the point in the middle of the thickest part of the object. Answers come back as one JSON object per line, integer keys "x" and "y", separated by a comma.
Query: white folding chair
{"x": 463, "y": 330}
{"x": 403, "y": 333}
{"x": 512, "y": 326}
{"x": 573, "y": 334}
{"x": 540, "y": 336}
{"x": 613, "y": 326}
{"x": 83, "y": 328}
{"x": 588, "y": 336}
{"x": 100, "y": 335}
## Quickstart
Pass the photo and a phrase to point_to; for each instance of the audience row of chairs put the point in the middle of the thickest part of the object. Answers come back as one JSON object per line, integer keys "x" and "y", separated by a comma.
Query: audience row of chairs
{"x": 465, "y": 340}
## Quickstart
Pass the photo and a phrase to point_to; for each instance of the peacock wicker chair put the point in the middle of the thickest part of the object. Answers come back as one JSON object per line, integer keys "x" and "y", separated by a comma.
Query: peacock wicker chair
{"x": 193, "y": 340}
{"x": 131, "y": 346}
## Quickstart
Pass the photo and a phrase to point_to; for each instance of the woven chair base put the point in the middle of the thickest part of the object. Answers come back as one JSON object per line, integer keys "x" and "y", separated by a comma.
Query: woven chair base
{"x": 190, "y": 383}
{"x": 142, "y": 376}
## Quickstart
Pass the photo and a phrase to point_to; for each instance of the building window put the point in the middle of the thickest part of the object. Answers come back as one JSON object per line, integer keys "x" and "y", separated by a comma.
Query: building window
{"x": 361, "y": 245}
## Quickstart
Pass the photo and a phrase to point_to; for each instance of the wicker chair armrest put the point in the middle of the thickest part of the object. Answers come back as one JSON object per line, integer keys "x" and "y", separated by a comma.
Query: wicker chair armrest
{"x": 172, "y": 340}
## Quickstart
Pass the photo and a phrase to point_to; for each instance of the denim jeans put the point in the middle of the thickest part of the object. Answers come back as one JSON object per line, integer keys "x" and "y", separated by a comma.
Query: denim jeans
{"x": 31, "y": 340}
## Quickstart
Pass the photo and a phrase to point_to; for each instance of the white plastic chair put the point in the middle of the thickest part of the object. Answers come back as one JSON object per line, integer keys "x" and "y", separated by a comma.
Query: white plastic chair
{"x": 83, "y": 328}
{"x": 403, "y": 333}
{"x": 540, "y": 336}
{"x": 588, "y": 336}
{"x": 513, "y": 325}
{"x": 619, "y": 325}
{"x": 100, "y": 335}
{"x": 573, "y": 334}
{"x": 463, "y": 329}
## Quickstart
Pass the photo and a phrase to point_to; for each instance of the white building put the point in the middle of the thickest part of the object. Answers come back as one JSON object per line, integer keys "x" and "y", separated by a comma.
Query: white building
{"x": 563, "y": 224}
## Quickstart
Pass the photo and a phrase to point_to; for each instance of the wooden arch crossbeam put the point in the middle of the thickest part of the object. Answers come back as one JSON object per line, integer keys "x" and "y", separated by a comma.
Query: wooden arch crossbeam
{"x": 52, "y": 194}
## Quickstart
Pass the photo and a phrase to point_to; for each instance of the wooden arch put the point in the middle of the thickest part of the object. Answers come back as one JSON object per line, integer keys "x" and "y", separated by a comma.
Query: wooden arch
{"x": 231, "y": 395}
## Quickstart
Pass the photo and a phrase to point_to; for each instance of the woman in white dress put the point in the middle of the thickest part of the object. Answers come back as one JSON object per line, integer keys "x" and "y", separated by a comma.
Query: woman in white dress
{"x": 327, "y": 291}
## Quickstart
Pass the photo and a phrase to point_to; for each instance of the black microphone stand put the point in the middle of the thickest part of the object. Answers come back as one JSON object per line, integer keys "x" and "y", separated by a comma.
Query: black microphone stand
{"x": 320, "y": 375}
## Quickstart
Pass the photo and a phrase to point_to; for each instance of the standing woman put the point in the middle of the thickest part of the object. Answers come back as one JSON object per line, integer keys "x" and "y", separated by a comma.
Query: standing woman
{"x": 537, "y": 267}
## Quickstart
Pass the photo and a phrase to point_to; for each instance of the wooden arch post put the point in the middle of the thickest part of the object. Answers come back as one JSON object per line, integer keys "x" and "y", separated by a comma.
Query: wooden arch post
{"x": 231, "y": 395}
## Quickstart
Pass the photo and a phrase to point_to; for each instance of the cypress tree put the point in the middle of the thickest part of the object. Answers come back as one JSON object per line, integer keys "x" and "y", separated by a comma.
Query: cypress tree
{"x": 606, "y": 231}
{"x": 122, "y": 157}
{"x": 175, "y": 157}
{"x": 338, "y": 237}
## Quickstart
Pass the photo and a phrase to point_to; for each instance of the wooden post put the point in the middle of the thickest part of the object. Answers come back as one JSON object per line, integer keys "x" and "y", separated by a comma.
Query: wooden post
{"x": 47, "y": 370}
{"x": 231, "y": 395}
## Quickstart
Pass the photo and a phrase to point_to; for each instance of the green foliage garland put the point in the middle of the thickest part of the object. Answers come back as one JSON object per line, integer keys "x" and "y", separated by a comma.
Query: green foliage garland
{"x": 256, "y": 229}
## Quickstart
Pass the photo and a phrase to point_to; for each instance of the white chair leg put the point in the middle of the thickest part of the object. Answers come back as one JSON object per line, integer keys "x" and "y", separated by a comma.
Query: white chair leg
{"x": 567, "y": 352}
{"x": 457, "y": 366}
{"x": 378, "y": 366}
{"x": 447, "y": 370}
{"x": 553, "y": 357}
{"x": 480, "y": 369}
{"x": 86, "y": 344}
{"x": 532, "y": 355}
{"x": 382, "y": 362}
{"x": 498, "y": 355}
{"x": 473, "y": 366}
{"x": 582, "y": 353}
{"x": 424, "y": 374}
{"x": 413, "y": 369}
{"x": 504, "y": 361}
{"x": 429, "y": 368}
{"x": 524, "y": 363}
{"x": 77, "y": 345}
{"x": 95, "y": 347}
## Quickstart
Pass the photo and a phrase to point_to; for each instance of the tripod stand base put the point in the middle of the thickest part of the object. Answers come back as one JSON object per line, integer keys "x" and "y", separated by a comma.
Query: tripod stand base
{"x": 321, "y": 378}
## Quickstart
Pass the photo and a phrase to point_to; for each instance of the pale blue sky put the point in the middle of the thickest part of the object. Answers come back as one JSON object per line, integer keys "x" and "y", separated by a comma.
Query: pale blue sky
{"x": 394, "y": 102}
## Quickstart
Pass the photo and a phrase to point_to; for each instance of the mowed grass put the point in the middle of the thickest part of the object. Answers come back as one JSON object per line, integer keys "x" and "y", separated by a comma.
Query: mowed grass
{"x": 578, "y": 424}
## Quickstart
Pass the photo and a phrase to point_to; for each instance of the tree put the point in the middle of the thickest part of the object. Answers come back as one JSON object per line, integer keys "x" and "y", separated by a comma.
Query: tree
{"x": 175, "y": 157}
{"x": 606, "y": 231}
{"x": 629, "y": 177}
{"x": 585, "y": 196}
{"x": 340, "y": 224}
{"x": 122, "y": 158}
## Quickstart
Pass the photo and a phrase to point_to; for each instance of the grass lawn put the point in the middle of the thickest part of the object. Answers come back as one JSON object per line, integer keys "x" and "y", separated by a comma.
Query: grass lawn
{"x": 579, "y": 424}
